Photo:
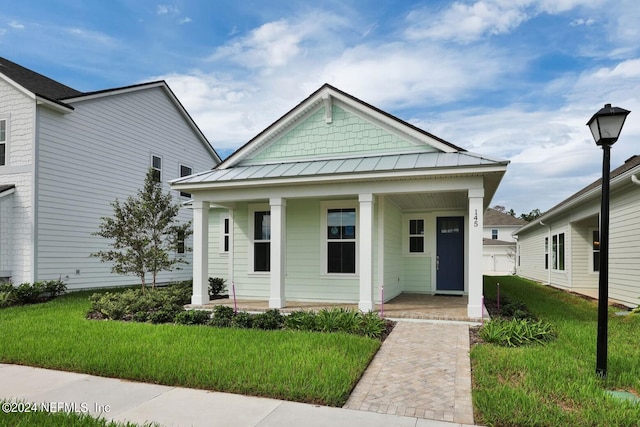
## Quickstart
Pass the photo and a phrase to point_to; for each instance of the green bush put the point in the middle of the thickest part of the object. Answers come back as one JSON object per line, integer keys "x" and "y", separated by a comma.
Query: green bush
{"x": 223, "y": 312}
{"x": 242, "y": 320}
{"x": 27, "y": 293}
{"x": 269, "y": 320}
{"x": 517, "y": 332}
{"x": 216, "y": 286}
{"x": 54, "y": 288}
{"x": 371, "y": 325}
{"x": 301, "y": 321}
{"x": 192, "y": 317}
{"x": 7, "y": 298}
{"x": 156, "y": 306}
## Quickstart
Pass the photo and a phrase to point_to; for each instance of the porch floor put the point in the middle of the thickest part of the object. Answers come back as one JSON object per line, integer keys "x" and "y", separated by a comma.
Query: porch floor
{"x": 404, "y": 306}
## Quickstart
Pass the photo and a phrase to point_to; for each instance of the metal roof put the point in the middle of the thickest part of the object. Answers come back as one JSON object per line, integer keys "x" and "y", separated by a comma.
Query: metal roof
{"x": 351, "y": 165}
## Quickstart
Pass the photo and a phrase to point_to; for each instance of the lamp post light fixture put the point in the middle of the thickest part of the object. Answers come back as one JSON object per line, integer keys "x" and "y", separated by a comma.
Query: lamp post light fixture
{"x": 605, "y": 126}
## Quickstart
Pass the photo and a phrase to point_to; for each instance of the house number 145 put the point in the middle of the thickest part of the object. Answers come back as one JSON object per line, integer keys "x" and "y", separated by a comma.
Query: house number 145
{"x": 475, "y": 218}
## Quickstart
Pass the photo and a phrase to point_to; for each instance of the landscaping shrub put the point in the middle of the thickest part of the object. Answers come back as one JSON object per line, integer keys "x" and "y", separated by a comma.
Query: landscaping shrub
{"x": 371, "y": 325}
{"x": 192, "y": 317}
{"x": 301, "y": 321}
{"x": 269, "y": 320}
{"x": 156, "y": 306}
{"x": 27, "y": 293}
{"x": 242, "y": 320}
{"x": 517, "y": 332}
{"x": 54, "y": 288}
{"x": 216, "y": 286}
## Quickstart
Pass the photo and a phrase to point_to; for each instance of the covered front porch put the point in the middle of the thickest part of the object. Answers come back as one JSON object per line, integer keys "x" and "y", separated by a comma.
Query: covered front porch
{"x": 404, "y": 306}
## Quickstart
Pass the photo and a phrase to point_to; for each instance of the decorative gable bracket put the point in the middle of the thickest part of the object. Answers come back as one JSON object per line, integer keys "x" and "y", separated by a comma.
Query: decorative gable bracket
{"x": 328, "y": 108}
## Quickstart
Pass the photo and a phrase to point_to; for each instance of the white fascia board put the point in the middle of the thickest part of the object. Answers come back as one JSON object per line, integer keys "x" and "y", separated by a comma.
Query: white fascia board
{"x": 390, "y": 124}
{"x": 336, "y": 190}
{"x": 18, "y": 86}
{"x": 7, "y": 192}
{"x": 64, "y": 109}
{"x": 590, "y": 195}
{"x": 340, "y": 178}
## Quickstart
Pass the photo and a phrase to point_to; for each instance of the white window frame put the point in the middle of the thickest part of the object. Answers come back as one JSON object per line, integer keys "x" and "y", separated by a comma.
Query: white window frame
{"x": 406, "y": 234}
{"x": 5, "y": 141}
{"x": 494, "y": 234}
{"x": 153, "y": 156}
{"x": 324, "y": 238}
{"x": 547, "y": 261}
{"x": 180, "y": 166}
{"x": 224, "y": 219}
{"x": 555, "y": 251}
{"x": 593, "y": 251}
{"x": 251, "y": 252}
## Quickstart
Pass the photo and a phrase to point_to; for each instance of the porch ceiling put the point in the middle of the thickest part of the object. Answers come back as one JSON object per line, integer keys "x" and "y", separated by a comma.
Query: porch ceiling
{"x": 435, "y": 201}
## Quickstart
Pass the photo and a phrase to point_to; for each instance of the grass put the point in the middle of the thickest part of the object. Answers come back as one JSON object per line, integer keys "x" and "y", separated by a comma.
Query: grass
{"x": 556, "y": 384}
{"x": 290, "y": 365}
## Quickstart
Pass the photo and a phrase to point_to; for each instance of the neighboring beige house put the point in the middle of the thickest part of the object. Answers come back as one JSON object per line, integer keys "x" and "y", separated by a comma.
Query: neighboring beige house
{"x": 561, "y": 247}
{"x": 336, "y": 199}
{"x": 499, "y": 246}
{"x": 66, "y": 155}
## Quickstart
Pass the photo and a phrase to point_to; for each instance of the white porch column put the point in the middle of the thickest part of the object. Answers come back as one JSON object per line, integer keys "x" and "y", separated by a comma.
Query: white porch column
{"x": 365, "y": 245}
{"x": 278, "y": 252}
{"x": 200, "y": 253}
{"x": 474, "y": 278}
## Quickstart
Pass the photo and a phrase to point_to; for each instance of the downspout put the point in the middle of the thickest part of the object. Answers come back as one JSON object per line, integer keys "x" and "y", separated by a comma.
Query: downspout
{"x": 635, "y": 179}
{"x": 548, "y": 251}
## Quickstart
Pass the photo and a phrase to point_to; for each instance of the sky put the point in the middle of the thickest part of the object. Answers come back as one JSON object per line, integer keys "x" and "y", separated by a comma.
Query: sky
{"x": 509, "y": 79}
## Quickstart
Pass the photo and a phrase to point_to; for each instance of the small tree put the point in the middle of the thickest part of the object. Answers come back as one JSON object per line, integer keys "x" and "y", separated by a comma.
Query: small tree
{"x": 144, "y": 232}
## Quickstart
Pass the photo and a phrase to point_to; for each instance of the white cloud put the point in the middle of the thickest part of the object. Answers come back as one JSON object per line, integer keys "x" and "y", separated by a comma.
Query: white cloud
{"x": 467, "y": 22}
{"x": 16, "y": 25}
{"x": 185, "y": 20}
{"x": 582, "y": 21}
{"x": 164, "y": 9}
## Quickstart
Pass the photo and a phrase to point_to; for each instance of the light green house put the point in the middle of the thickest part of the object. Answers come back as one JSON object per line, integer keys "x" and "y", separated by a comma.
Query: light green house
{"x": 338, "y": 200}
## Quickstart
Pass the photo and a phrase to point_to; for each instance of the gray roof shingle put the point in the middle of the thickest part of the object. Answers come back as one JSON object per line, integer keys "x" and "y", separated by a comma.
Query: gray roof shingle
{"x": 35, "y": 82}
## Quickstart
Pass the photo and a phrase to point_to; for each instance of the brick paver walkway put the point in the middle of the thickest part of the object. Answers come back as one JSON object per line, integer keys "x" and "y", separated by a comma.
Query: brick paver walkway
{"x": 422, "y": 370}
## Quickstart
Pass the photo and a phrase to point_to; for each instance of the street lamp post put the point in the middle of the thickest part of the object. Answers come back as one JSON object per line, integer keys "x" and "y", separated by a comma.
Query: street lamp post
{"x": 605, "y": 126}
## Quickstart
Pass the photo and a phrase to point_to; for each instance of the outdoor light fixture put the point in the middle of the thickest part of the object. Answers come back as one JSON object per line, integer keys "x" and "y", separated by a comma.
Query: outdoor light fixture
{"x": 605, "y": 126}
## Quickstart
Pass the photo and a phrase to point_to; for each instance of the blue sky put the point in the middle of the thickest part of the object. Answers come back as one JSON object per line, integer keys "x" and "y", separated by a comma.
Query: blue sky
{"x": 510, "y": 79}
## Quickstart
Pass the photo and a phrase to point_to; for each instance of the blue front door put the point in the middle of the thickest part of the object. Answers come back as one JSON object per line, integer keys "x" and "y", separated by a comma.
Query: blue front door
{"x": 450, "y": 254}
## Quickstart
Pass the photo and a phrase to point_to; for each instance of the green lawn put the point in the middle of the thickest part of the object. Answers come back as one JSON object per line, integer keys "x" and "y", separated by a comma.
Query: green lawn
{"x": 298, "y": 366}
{"x": 556, "y": 384}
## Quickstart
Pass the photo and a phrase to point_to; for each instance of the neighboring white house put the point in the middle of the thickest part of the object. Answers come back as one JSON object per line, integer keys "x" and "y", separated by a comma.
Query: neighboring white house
{"x": 66, "y": 155}
{"x": 499, "y": 246}
{"x": 336, "y": 199}
{"x": 561, "y": 248}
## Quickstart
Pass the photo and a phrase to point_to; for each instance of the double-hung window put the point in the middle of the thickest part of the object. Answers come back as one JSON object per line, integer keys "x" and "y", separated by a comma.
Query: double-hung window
{"x": 557, "y": 250}
{"x": 262, "y": 241}
{"x": 3, "y": 142}
{"x": 595, "y": 250}
{"x": 225, "y": 235}
{"x": 416, "y": 235}
{"x": 156, "y": 165}
{"x": 341, "y": 240}
{"x": 185, "y": 171}
{"x": 546, "y": 253}
{"x": 494, "y": 234}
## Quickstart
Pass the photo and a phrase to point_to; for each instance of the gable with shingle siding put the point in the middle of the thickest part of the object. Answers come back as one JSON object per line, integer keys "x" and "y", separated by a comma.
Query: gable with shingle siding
{"x": 347, "y": 134}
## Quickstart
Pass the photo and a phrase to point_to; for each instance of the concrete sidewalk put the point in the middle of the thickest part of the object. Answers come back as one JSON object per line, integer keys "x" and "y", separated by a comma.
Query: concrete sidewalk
{"x": 120, "y": 400}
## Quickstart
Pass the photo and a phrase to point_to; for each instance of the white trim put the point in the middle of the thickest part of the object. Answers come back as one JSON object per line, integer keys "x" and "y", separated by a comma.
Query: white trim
{"x": 180, "y": 166}
{"x": 324, "y": 239}
{"x": 6, "y": 118}
{"x": 406, "y": 219}
{"x": 152, "y": 155}
{"x": 224, "y": 217}
{"x": 591, "y": 230}
{"x": 252, "y": 209}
